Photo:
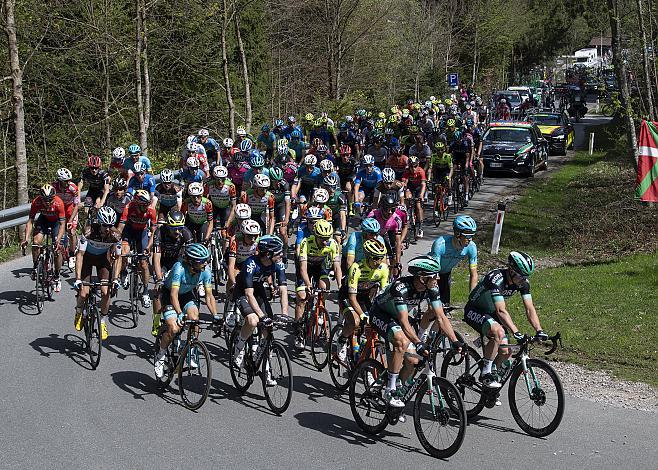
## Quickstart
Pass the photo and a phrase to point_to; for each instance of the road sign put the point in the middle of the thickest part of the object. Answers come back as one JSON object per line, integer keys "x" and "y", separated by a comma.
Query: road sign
{"x": 453, "y": 80}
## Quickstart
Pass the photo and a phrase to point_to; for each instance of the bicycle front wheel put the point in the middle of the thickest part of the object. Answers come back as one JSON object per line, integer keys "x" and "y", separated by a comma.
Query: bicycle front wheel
{"x": 338, "y": 370}
{"x": 134, "y": 297}
{"x": 463, "y": 371}
{"x": 320, "y": 338}
{"x": 440, "y": 418}
{"x": 40, "y": 291}
{"x": 537, "y": 399}
{"x": 367, "y": 400}
{"x": 94, "y": 341}
{"x": 277, "y": 378}
{"x": 194, "y": 375}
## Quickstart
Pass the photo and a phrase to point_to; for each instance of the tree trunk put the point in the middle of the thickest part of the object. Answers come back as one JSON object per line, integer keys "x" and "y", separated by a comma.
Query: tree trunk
{"x": 19, "y": 108}
{"x": 645, "y": 62}
{"x": 138, "y": 74}
{"x": 227, "y": 78}
{"x": 245, "y": 70}
{"x": 622, "y": 79}
{"x": 147, "y": 79}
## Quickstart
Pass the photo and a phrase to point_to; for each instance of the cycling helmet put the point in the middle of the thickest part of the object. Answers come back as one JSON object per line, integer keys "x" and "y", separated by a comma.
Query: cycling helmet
{"x": 276, "y": 173}
{"x": 256, "y": 160}
{"x": 197, "y": 252}
{"x": 503, "y": 101}
{"x": 465, "y": 225}
{"x": 261, "y": 181}
{"x": 368, "y": 159}
{"x": 296, "y": 135}
{"x": 243, "y": 211}
{"x": 326, "y": 165}
{"x": 388, "y": 175}
{"x": 167, "y": 176}
{"x": 246, "y": 145}
{"x": 314, "y": 213}
{"x": 309, "y": 117}
{"x": 331, "y": 181}
{"x": 142, "y": 197}
{"x": 388, "y": 131}
{"x": 175, "y": 218}
{"x": 374, "y": 249}
{"x": 139, "y": 167}
{"x": 220, "y": 172}
{"x": 47, "y": 191}
{"x": 478, "y": 101}
{"x": 278, "y": 123}
{"x": 457, "y": 135}
{"x": 413, "y": 160}
{"x": 370, "y": 225}
{"x": 106, "y": 216}
{"x": 323, "y": 229}
{"x": 119, "y": 153}
{"x": 322, "y": 148}
{"x": 390, "y": 200}
{"x": 192, "y": 147}
{"x": 321, "y": 196}
{"x": 192, "y": 162}
{"x": 451, "y": 123}
{"x": 342, "y": 127}
{"x": 424, "y": 265}
{"x": 250, "y": 227}
{"x": 203, "y": 133}
{"x": 265, "y": 128}
{"x": 270, "y": 245}
{"x": 345, "y": 150}
{"x": 228, "y": 142}
{"x": 119, "y": 183}
{"x": 310, "y": 159}
{"x": 195, "y": 189}
{"x": 241, "y": 131}
{"x": 292, "y": 119}
{"x": 439, "y": 145}
{"x": 63, "y": 174}
{"x": 134, "y": 149}
{"x": 282, "y": 149}
{"x": 94, "y": 161}
{"x": 521, "y": 263}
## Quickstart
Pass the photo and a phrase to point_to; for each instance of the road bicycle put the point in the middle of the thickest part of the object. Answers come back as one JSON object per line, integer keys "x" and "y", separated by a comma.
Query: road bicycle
{"x": 91, "y": 321}
{"x": 441, "y": 208}
{"x": 267, "y": 357}
{"x": 45, "y": 271}
{"x": 458, "y": 191}
{"x": 219, "y": 274}
{"x": 535, "y": 393}
{"x": 134, "y": 281}
{"x": 189, "y": 359}
{"x": 414, "y": 226}
{"x": 439, "y": 415}
{"x": 317, "y": 327}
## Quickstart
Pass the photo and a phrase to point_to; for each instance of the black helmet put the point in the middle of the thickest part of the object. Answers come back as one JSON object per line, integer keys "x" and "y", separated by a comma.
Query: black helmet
{"x": 175, "y": 219}
{"x": 270, "y": 246}
{"x": 390, "y": 199}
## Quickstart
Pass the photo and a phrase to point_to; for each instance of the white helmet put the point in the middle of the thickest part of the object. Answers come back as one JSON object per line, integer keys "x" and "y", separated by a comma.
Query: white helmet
{"x": 388, "y": 175}
{"x": 220, "y": 172}
{"x": 119, "y": 153}
{"x": 310, "y": 159}
{"x": 432, "y": 98}
{"x": 195, "y": 189}
{"x": 228, "y": 142}
{"x": 192, "y": 147}
{"x": 282, "y": 149}
{"x": 139, "y": 167}
{"x": 190, "y": 138}
{"x": 250, "y": 227}
{"x": 321, "y": 196}
{"x": 192, "y": 162}
{"x": 242, "y": 211}
{"x": 106, "y": 216}
{"x": 241, "y": 131}
{"x": 326, "y": 165}
{"x": 203, "y": 133}
{"x": 261, "y": 180}
{"x": 63, "y": 174}
{"x": 167, "y": 176}
{"x": 349, "y": 119}
{"x": 368, "y": 159}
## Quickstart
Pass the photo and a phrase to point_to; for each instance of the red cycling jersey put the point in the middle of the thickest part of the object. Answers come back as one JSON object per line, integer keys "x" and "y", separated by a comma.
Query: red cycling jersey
{"x": 68, "y": 193}
{"x": 414, "y": 177}
{"x": 51, "y": 212}
{"x": 137, "y": 219}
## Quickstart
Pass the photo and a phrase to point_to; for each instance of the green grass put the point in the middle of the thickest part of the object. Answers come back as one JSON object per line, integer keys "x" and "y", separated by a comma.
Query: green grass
{"x": 9, "y": 252}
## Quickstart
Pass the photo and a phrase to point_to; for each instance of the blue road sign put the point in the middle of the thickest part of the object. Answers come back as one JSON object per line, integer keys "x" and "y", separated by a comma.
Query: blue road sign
{"x": 453, "y": 79}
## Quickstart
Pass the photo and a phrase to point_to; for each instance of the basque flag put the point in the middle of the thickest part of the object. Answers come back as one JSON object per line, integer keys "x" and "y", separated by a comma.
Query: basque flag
{"x": 647, "y": 166}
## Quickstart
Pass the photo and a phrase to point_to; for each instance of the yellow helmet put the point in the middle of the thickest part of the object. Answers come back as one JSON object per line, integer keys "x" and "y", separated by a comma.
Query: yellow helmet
{"x": 381, "y": 115}
{"x": 323, "y": 229}
{"x": 448, "y": 101}
{"x": 374, "y": 249}
{"x": 309, "y": 117}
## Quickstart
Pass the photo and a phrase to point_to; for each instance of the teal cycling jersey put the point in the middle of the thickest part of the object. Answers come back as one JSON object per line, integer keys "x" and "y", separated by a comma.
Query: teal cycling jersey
{"x": 494, "y": 287}
{"x": 401, "y": 296}
{"x": 443, "y": 249}
{"x": 354, "y": 245}
{"x": 181, "y": 276}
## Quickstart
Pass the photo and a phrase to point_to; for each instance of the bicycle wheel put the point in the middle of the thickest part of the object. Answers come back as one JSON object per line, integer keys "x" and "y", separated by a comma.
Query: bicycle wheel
{"x": 229, "y": 309}
{"x": 39, "y": 290}
{"x": 537, "y": 404}
{"x": 277, "y": 363}
{"x": 194, "y": 375}
{"x": 463, "y": 370}
{"x": 48, "y": 275}
{"x": 134, "y": 296}
{"x": 338, "y": 371}
{"x": 216, "y": 263}
{"x": 94, "y": 340}
{"x": 170, "y": 365}
{"x": 367, "y": 400}
{"x": 439, "y": 418}
{"x": 445, "y": 207}
{"x": 242, "y": 376}
{"x": 320, "y": 338}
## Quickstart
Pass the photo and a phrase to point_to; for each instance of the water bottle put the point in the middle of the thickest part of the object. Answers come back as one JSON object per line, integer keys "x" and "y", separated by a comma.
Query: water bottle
{"x": 356, "y": 348}
{"x": 254, "y": 343}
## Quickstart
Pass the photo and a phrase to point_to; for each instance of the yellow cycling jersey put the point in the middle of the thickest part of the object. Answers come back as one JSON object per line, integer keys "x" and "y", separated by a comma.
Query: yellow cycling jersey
{"x": 313, "y": 254}
{"x": 362, "y": 277}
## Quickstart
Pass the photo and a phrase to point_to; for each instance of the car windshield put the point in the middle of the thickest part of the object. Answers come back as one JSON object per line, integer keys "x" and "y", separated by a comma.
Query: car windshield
{"x": 545, "y": 119}
{"x": 510, "y": 97}
{"x": 508, "y": 134}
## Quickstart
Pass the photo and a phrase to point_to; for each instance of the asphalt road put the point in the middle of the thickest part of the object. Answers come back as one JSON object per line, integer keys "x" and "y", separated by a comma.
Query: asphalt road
{"x": 56, "y": 413}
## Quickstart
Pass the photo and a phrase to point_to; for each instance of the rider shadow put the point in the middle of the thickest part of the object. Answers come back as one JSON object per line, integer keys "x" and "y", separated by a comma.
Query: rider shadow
{"x": 334, "y": 426}
{"x": 481, "y": 422}
{"x": 71, "y": 346}
{"x": 21, "y": 272}
{"x": 140, "y": 385}
{"x": 26, "y": 301}
{"x": 315, "y": 389}
{"x": 248, "y": 399}
{"x": 120, "y": 315}
{"x": 126, "y": 346}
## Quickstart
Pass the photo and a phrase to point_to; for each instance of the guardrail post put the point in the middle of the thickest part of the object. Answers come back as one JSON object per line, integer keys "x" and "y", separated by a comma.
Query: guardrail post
{"x": 591, "y": 143}
{"x": 498, "y": 228}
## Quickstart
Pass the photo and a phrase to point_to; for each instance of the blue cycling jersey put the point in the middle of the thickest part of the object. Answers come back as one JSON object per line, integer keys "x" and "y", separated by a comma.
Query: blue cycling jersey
{"x": 181, "y": 276}
{"x": 253, "y": 273}
{"x": 368, "y": 181}
{"x": 129, "y": 163}
{"x": 443, "y": 249}
{"x": 303, "y": 231}
{"x": 148, "y": 184}
{"x": 211, "y": 146}
{"x": 187, "y": 177}
{"x": 251, "y": 172}
{"x": 354, "y": 245}
{"x": 269, "y": 140}
{"x": 309, "y": 178}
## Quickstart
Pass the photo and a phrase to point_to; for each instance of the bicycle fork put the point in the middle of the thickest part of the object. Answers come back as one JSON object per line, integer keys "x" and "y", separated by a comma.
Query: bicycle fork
{"x": 532, "y": 376}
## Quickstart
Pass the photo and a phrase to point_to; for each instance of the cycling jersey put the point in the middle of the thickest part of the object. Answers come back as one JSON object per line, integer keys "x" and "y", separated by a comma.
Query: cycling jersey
{"x": 309, "y": 178}
{"x": 395, "y": 223}
{"x": 197, "y": 214}
{"x": 186, "y": 176}
{"x": 260, "y": 205}
{"x": 51, "y": 212}
{"x": 362, "y": 277}
{"x": 443, "y": 249}
{"x": 68, "y": 193}
{"x": 380, "y": 154}
{"x": 494, "y": 288}
{"x": 346, "y": 169}
{"x": 399, "y": 163}
{"x": 402, "y": 296}
{"x": 95, "y": 182}
{"x": 395, "y": 187}
{"x": 236, "y": 172}
{"x": 290, "y": 172}
{"x": 441, "y": 162}
{"x": 354, "y": 245}
{"x": 137, "y": 219}
{"x": 211, "y": 147}
{"x": 251, "y": 172}
{"x": 414, "y": 177}
{"x": 129, "y": 163}
{"x": 239, "y": 249}
{"x": 315, "y": 255}
{"x": 116, "y": 203}
{"x": 170, "y": 243}
{"x": 147, "y": 184}
{"x": 254, "y": 273}
{"x": 280, "y": 191}
{"x": 96, "y": 242}
{"x": 337, "y": 202}
{"x": 368, "y": 180}
{"x": 168, "y": 197}
{"x": 222, "y": 196}
{"x": 267, "y": 139}
{"x": 182, "y": 277}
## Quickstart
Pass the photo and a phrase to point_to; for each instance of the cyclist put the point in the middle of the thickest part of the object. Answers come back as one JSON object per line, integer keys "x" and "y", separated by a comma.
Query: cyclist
{"x": 169, "y": 241}
{"x": 416, "y": 183}
{"x": 392, "y": 219}
{"x": 137, "y": 225}
{"x": 305, "y": 227}
{"x": 169, "y": 194}
{"x": 178, "y": 296}
{"x": 198, "y": 212}
{"x": 389, "y": 184}
{"x": 266, "y": 140}
{"x": 141, "y": 180}
{"x": 346, "y": 166}
{"x": 118, "y": 198}
{"x": 134, "y": 156}
{"x": 116, "y": 163}
{"x": 364, "y": 279}
{"x": 390, "y": 311}
{"x": 257, "y": 164}
{"x": 280, "y": 190}
{"x": 317, "y": 254}
{"x": 191, "y": 173}
{"x": 68, "y": 192}
{"x": 198, "y": 152}
{"x": 210, "y": 145}
{"x": 486, "y": 311}
{"x": 241, "y": 246}
{"x": 52, "y": 219}
{"x": 252, "y": 295}
{"x": 336, "y": 203}
{"x": 261, "y": 201}
{"x": 98, "y": 181}
{"x": 397, "y": 160}
{"x": 440, "y": 172}
{"x": 366, "y": 180}
{"x": 308, "y": 178}
{"x": 353, "y": 249}
{"x": 461, "y": 149}
{"x": 241, "y": 212}
{"x": 222, "y": 193}
{"x": 99, "y": 247}
{"x": 237, "y": 169}
{"x": 227, "y": 152}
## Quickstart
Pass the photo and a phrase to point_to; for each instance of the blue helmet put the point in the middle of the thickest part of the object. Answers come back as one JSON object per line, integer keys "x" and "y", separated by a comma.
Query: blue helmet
{"x": 296, "y": 135}
{"x": 134, "y": 149}
{"x": 370, "y": 225}
{"x": 256, "y": 159}
{"x": 265, "y": 128}
{"x": 246, "y": 145}
{"x": 342, "y": 127}
{"x": 395, "y": 143}
{"x": 464, "y": 224}
{"x": 278, "y": 123}
{"x": 457, "y": 135}
{"x": 197, "y": 252}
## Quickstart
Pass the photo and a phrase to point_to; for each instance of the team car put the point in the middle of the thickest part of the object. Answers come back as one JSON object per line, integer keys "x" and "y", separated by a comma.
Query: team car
{"x": 556, "y": 129}
{"x": 516, "y": 147}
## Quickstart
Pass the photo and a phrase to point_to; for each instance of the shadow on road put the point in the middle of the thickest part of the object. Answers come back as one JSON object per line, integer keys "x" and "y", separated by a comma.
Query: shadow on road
{"x": 21, "y": 272}
{"x": 71, "y": 346}
{"x": 126, "y": 346}
{"x": 315, "y": 390}
{"x": 489, "y": 423}
{"x": 26, "y": 301}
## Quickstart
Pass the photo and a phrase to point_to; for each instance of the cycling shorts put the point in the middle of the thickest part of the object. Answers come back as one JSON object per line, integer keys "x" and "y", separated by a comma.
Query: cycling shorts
{"x": 101, "y": 262}
{"x": 220, "y": 215}
{"x": 187, "y": 300}
{"x": 315, "y": 273}
{"x": 280, "y": 212}
{"x": 139, "y": 238}
{"x": 439, "y": 174}
{"x": 479, "y": 321}
{"x": 41, "y": 225}
{"x": 385, "y": 325}
{"x": 362, "y": 298}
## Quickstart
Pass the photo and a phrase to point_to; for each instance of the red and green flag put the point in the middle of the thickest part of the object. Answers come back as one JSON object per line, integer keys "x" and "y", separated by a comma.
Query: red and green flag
{"x": 647, "y": 166}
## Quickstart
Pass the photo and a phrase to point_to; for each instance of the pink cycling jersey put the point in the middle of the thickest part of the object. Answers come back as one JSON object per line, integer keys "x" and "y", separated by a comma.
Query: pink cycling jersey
{"x": 395, "y": 222}
{"x": 236, "y": 172}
